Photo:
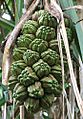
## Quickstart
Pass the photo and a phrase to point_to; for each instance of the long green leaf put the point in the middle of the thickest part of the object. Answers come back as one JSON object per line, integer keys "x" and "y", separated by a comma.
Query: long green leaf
{"x": 6, "y": 24}
{"x": 18, "y": 10}
{"x": 72, "y": 13}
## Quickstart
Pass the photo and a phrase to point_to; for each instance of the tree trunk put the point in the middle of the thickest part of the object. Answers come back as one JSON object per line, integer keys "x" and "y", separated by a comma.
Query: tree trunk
{"x": 27, "y": 3}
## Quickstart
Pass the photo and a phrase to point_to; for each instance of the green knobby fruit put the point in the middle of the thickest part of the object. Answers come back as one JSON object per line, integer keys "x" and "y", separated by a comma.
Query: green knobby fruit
{"x": 20, "y": 92}
{"x": 32, "y": 105}
{"x": 16, "y": 86}
{"x": 27, "y": 77}
{"x": 47, "y": 19}
{"x": 45, "y": 32}
{"x": 18, "y": 53}
{"x": 41, "y": 68}
{"x": 35, "y": 90}
{"x": 24, "y": 40}
{"x": 21, "y": 96}
{"x": 39, "y": 45}
{"x": 17, "y": 67}
{"x": 20, "y": 88}
{"x": 37, "y": 14}
{"x": 30, "y": 27}
{"x": 32, "y": 22}
{"x": 30, "y": 57}
{"x": 53, "y": 44}
{"x": 12, "y": 82}
{"x": 35, "y": 72}
{"x": 56, "y": 71}
{"x": 49, "y": 56}
{"x": 47, "y": 101}
{"x": 51, "y": 85}
{"x": 18, "y": 103}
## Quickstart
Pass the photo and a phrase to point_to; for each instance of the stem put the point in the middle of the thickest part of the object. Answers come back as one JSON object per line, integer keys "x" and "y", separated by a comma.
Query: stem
{"x": 22, "y": 112}
{"x": 4, "y": 111}
{"x": 81, "y": 79}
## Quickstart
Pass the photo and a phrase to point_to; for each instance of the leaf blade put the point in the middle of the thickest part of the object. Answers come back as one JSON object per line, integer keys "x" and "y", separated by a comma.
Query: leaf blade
{"x": 18, "y": 10}
{"x": 6, "y": 24}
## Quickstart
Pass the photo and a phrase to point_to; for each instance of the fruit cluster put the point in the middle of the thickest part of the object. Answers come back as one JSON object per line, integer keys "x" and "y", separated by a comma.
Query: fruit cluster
{"x": 35, "y": 75}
